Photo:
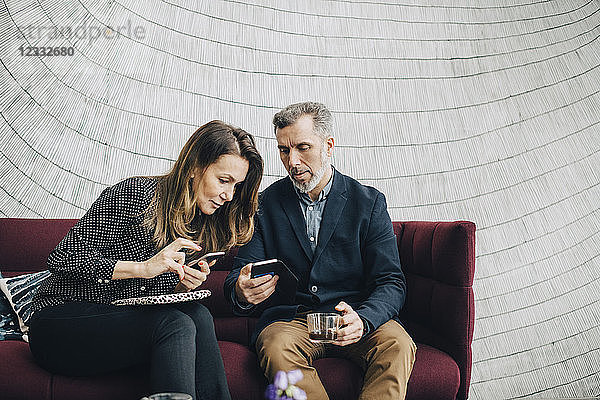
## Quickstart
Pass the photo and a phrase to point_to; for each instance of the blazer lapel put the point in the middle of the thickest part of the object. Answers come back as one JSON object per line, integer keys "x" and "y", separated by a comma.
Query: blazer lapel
{"x": 332, "y": 213}
{"x": 291, "y": 207}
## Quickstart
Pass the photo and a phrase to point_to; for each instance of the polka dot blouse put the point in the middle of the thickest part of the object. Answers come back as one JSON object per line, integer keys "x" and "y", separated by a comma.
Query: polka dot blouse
{"x": 82, "y": 264}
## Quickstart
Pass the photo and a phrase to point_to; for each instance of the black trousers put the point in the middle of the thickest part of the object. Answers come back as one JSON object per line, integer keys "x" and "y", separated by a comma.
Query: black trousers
{"x": 177, "y": 341}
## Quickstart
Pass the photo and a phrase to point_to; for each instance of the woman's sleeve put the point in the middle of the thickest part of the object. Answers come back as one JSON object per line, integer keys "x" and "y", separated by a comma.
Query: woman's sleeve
{"x": 82, "y": 252}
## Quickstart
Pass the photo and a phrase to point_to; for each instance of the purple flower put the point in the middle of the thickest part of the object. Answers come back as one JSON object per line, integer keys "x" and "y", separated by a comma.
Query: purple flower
{"x": 281, "y": 380}
{"x": 294, "y": 376}
{"x": 283, "y": 387}
{"x": 299, "y": 394}
{"x": 271, "y": 392}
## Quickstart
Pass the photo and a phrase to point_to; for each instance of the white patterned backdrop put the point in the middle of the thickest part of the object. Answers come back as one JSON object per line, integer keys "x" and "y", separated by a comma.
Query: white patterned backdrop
{"x": 481, "y": 110}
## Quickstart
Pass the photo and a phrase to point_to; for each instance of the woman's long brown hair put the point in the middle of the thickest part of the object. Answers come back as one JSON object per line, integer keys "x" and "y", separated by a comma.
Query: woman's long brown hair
{"x": 174, "y": 213}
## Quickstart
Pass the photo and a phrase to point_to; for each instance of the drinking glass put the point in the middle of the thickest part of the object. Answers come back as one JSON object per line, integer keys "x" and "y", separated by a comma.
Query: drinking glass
{"x": 323, "y": 327}
{"x": 168, "y": 396}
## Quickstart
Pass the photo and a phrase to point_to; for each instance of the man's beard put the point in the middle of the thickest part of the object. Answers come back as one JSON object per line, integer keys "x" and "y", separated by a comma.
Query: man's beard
{"x": 315, "y": 178}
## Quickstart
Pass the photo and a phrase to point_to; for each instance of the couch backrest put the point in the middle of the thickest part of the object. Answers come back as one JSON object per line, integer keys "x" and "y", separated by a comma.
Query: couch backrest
{"x": 26, "y": 243}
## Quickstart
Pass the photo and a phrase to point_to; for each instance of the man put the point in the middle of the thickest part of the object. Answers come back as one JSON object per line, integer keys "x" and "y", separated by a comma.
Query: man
{"x": 337, "y": 237}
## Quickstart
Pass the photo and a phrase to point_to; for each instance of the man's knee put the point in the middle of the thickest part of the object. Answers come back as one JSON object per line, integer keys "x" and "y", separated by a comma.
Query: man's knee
{"x": 391, "y": 338}
{"x": 278, "y": 343}
{"x": 273, "y": 338}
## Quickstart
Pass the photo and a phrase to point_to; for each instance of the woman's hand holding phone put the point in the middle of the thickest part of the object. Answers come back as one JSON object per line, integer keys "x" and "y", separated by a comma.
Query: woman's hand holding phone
{"x": 170, "y": 258}
{"x": 197, "y": 270}
{"x": 193, "y": 260}
{"x": 194, "y": 276}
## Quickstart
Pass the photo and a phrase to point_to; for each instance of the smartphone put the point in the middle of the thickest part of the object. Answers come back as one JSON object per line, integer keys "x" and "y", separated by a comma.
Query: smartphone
{"x": 261, "y": 268}
{"x": 288, "y": 282}
{"x": 271, "y": 267}
{"x": 192, "y": 260}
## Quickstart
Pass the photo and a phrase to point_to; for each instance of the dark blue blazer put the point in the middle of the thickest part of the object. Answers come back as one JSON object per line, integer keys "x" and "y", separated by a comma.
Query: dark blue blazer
{"x": 356, "y": 258}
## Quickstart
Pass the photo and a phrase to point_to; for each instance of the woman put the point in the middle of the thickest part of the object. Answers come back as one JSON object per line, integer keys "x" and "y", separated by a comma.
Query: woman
{"x": 132, "y": 243}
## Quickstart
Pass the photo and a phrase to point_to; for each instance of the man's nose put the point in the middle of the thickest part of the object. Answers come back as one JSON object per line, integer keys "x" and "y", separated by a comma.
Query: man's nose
{"x": 294, "y": 158}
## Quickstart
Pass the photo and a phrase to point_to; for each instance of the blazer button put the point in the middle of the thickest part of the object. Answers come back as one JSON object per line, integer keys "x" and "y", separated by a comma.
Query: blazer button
{"x": 143, "y": 288}
{"x": 99, "y": 280}
{"x": 314, "y": 289}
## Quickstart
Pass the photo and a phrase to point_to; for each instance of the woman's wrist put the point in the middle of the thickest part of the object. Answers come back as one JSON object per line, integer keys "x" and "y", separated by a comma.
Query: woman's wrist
{"x": 130, "y": 269}
{"x": 181, "y": 288}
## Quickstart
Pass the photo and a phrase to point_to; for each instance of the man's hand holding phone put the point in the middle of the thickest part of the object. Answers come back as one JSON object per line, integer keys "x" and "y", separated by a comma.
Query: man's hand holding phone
{"x": 254, "y": 290}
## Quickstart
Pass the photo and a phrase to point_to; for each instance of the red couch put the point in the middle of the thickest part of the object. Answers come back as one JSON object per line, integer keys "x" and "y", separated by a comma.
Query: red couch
{"x": 438, "y": 259}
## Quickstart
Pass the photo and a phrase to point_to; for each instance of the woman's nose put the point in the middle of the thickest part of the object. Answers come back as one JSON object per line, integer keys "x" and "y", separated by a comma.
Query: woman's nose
{"x": 227, "y": 195}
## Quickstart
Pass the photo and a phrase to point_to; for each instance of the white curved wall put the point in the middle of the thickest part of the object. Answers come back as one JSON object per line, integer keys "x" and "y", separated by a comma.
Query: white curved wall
{"x": 487, "y": 111}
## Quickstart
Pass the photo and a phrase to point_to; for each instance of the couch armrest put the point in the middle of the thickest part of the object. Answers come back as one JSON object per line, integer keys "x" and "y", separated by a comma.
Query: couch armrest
{"x": 438, "y": 259}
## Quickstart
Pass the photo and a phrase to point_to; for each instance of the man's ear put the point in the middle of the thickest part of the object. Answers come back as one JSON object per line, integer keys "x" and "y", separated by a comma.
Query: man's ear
{"x": 329, "y": 143}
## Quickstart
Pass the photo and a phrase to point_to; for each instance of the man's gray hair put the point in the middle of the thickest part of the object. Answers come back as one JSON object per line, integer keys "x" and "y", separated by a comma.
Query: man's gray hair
{"x": 322, "y": 119}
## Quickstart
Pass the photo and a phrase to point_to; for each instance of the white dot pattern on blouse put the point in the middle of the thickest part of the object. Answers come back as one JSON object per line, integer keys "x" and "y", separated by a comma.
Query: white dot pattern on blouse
{"x": 111, "y": 230}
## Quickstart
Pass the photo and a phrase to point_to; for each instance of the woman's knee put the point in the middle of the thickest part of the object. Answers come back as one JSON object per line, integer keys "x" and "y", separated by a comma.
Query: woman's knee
{"x": 199, "y": 314}
{"x": 174, "y": 323}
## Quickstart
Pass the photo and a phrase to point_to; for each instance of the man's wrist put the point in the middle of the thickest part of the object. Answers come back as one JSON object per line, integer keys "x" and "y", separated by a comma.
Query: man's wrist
{"x": 240, "y": 303}
{"x": 366, "y": 326}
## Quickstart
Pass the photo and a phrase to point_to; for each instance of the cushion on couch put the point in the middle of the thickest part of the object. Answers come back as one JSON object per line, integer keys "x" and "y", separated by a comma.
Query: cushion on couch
{"x": 19, "y": 291}
{"x": 26, "y": 379}
{"x": 341, "y": 378}
{"x": 132, "y": 383}
{"x": 435, "y": 375}
{"x": 245, "y": 380}
{"x": 9, "y": 322}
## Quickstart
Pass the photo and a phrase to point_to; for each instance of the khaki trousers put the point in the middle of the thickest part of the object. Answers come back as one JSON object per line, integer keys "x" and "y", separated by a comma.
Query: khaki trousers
{"x": 386, "y": 356}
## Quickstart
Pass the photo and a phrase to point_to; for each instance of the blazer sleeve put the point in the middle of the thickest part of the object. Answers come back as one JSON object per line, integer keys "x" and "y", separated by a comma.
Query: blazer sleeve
{"x": 80, "y": 254}
{"x": 385, "y": 280}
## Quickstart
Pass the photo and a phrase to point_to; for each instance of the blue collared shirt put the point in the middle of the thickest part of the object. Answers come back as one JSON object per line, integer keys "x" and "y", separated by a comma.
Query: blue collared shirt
{"x": 313, "y": 211}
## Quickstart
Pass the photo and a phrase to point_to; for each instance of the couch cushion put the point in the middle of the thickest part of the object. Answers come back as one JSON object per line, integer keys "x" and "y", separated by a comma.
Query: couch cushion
{"x": 244, "y": 377}
{"x": 216, "y": 303}
{"x": 9, "y": 323}
{"x": 435, "y": 375}
{"x": 131, "y": 384}
{"x": 20, "y": 377}
{"x": 19, "y": 291}
{"x": 235, "y": 329}
{"x": 341, "y": 378}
